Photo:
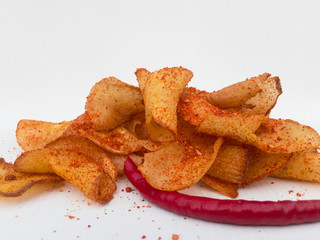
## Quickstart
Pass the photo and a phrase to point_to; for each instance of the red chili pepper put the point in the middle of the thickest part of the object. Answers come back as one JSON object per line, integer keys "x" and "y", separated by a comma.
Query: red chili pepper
{"x": 241, "y": 212}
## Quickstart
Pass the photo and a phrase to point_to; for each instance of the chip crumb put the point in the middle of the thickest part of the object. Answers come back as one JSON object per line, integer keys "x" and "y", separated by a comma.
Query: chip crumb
{"x": 143, "y": 237}
{"x": 89, "y": 226}
{"x": 291, "y": 191}
{"x": 175, "y": 236}
{"x": 128, "y": 189}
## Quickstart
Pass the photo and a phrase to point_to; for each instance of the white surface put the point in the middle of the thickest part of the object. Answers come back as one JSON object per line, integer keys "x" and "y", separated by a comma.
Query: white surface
{"x": 52, "y": 52}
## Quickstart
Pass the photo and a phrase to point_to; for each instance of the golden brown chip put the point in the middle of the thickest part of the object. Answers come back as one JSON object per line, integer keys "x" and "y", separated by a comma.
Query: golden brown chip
{"x": 224, "y": 187}
{"x": 230, "y": 164}
{"x": 180, "y": 164}
{"x": 286, "y": 136}
{"x": 304, "y": 165}
{"x": 262, "y": 164}
{"x": 118, "y": 140}
{"x": 257, "y": 95}
{"x": 118, "y": 161}
{"x": 14, "y": 184}
{"x": 76, "y": 168}
{"x": 84, "y": 146}
{"x": 85, "y": 174}
{"x": 33, "y": 134}
{"x": 264, "y": 101}
{"x": 35, "y": 161}
{"x": 161, "y": 91}
{"x": 234, "y": 95}
{"x": 212, "y": 120}
{"x": 112, "y": 102}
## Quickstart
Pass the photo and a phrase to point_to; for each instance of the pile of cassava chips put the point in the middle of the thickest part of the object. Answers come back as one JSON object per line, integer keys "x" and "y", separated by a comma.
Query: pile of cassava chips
{"x": 176, "y": 135}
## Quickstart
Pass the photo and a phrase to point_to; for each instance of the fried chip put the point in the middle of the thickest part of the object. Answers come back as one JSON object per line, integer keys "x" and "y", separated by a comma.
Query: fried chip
{"x": 118, "y": 161}
{"x": 224, "y": 187}
{"x": 33, "y": 134}
{"x": 118, "y": 140}
{"x": 112, "y": 102}
{"x": 264, "y": 101}
{"x": 180, "y": 164}
{"x": 214, "y": 121}
{"x": 76, "y": 168}
{"x": 84, "y": 174}
{"x": 14, "y": 184}
{"x": 285, "y": 136}
{"x": 304, "y": 165}
{"x": 233, "y": 96}
{"x": 84, "y": 146}
{"x": 262, "y": 164}
{"x": 161, "y": 91}
{"x": 230, "y": 164}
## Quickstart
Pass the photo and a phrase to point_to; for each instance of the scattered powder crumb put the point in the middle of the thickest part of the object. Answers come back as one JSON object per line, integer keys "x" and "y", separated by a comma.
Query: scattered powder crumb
{"x": 175, "y": 236}
{"x": 291, "y": 191}
{"x": 54, "y": 231}
{"x": 89, "y": 226}
{"x": 272, "y": 182}
{"x": 129, "y": 189}
{"x": 300, "y": 195}
{"x": 89, "y": 203}
{"x": 143, "y": 237}
{"x": 71, "y": 217}
{"x": 60, "y": 190}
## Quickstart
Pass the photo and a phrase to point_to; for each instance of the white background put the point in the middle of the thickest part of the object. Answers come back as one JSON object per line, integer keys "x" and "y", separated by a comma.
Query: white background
{"x": 52, "y": 53}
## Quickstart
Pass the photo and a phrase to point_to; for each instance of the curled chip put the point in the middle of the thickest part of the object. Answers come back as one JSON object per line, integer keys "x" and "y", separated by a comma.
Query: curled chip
{"x": 161, "y": 92}
{"x": 224, "y": 187}
{"x": 230, "y": 164}
{"x": 118, "y": 161}
{"x": 14, "y": 184}
{"x": 285, "y": 136}
{"x": 233, "y": 96}
{"x": 262, "y": 164}
{"x": 257, "y": 95}
{"x": 304, "y": 165}
{"x": 33, "y": 134}
{"x": 180, "y": 164}
{"x": 84, "y": 146}
{"x": 118, "y": 140}
{"x": 214, "y": 121}
{"x": 76, "y": 168}
{"x": 112, "y": 102}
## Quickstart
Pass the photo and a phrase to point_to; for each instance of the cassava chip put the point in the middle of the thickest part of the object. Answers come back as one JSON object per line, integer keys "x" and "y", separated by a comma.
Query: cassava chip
{"x": 118, "y": 140}
{"x": 180, "y": 164}
{"x": 33, "y": 134}
{"x": 214, "y": 121}
{"x": 230, "y": 164}
{"x": 13, "y": 184}
{"x": 112, "y": 102}
{"x": 35, "y": 161}
{"x": 286, "y": 136}
{"x": 76, "y": 168}
{"x": 304, "y": 165}
{"x": 161, "y": 92}
{"x": 224, "y": 187}
{"x": 84, "y": 146}
{"x": 264, "y": 101}
{"x": 118, "y": 161}
{"x": 85, "y": 174}
{"x": 262, "y": 164}
{"x": 234, "y": 95}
